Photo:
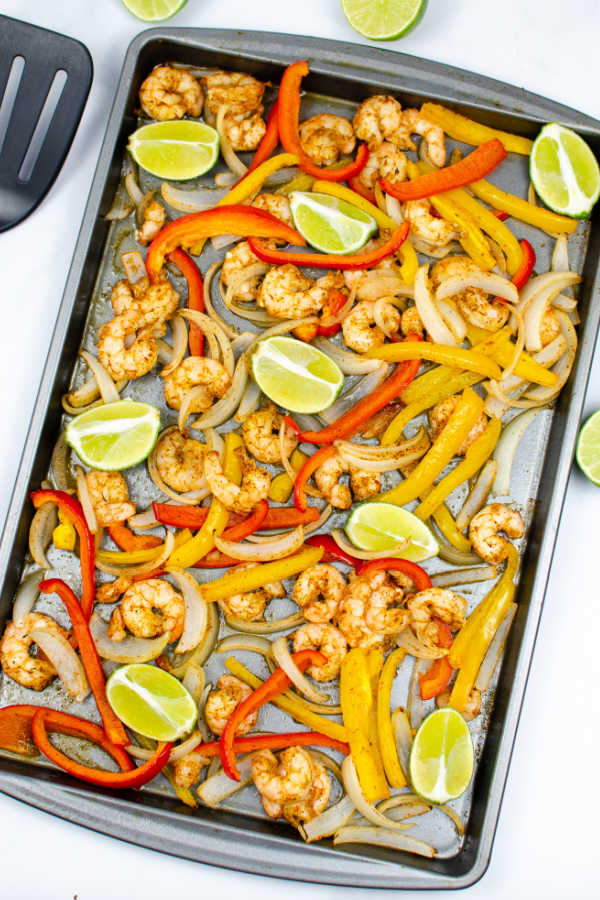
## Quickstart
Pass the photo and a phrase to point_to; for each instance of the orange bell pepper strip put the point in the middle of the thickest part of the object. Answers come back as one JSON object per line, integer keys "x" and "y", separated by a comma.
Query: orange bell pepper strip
{"x": 126, "y": 540}
{"x": 89, "y": 656}
{"x": 439, "y": 673}
{"x": 275, "y": 742}
{"x": 310, "y": 466}
{"x": 87, "y": 550}
{"x": 236, "y": 219}
{"x": 331, "y": 260}
{"x": 194, "y": 517}
{"x": 132, "y": 778}
{"x": 191, "y": 273}
{"x": 275, "y": 685}
{"x": 480, "y": 162}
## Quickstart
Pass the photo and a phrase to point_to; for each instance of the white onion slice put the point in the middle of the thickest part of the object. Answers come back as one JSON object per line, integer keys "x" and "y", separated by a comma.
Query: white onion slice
{"x": 208, "y": 304}
{"x": 65, "y": 660}
{"x": 361, "y": 389}
{"x": 453, "y": 319}
{"x": 27, "y": 594}
{"x": 241, "y": 342}
{"x": 535, "y": 308}
{"x": 506, "y": 448}
{"x": 40, "y": 533}
{"x": 253, "y": 643}
{"x": 477, "y": 497}
{"x": 408, "y": 641}
{"x": 282, "y": 657}
{"x": 485, "y": 281}
{"x": 162, "y": 555}
{"x": 344, "y": 544}
{"x": 194, "y": 681}
{"x": 220, "y": 241}
{"x": 233, "y": 162}
{"x": 216, "y": 789}
{"x": 394, "y": 209}
{"x": 130, "y": 649}
{"x": 84, "y": 498}
{"x": 463, "y": 576}
{"x": 354, "y": 791}
{"x": 563, "y": 367}
{"x": 328, "y": 822}
{"x": 143, "y": 520}
{"x": 180, "y": 341}
{"x": 402, "y": 737}
{"x": 224, "y": 408}
{"x": 494, "y": 651}
{"x": 214, "y": 441}
{"x": 428, "y": 311}
{"x": 196, "y": 610}
{"x": 270, "y": 627}
{"x": 381, "y": 837}
{"x": 415, "y": 704}
{"x": 225, "y": 179}
{"x": 133, "y": 189}
{"x": 350, "y": 363}
{"x": 383, "y": 283}
{"x": 106, "y": 385}
{"x": 567, "y": 304}
{"x": 277, "y": 548}
{"x": 190, "y": 201}
{"x": 560, "y": 255}
{"x": 249, "y": 402}
{"x": 134, "y": 266}
{"x": 209, "y": 326}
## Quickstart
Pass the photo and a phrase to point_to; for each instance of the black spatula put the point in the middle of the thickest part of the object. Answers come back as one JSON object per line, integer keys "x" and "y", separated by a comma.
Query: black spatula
{"x": 45, "y": 78}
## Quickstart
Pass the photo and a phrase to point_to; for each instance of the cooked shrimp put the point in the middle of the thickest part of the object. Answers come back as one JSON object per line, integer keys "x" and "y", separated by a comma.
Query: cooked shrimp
{"x": 329, "y": 640}
{"x": 425, "y": 226}
{"x": 361, "y": 332}
{"x": 324, "y": 138}
{"x": 352, "y": 613}
{"x": 155, "y": 216}
{"x": 385, "y": 161}
{"x": 127, "y": 347}
{"x": 410, "y": 322}
{"x": 438, "y": 417}
{"x": 222, "y": 702}
{"x": 385, "y": 611}
{"x": 245, "y": 132}
{"x": 276, "y": 204}
{"x": 187, "y": 769}
{"x": 284, "y": 781}
{"x": 484, "y": 528}
{"x": 239, "y": 498}
{"x": 435, "y": 603}
{"x": 479, "y": 310}
{"x": 112, "y": 590}
{"x": 413, "y": 123}
{"x": 377, "y": 119}
{"x": 362, "y": 484}
{"x": 180, "y": 462}
{"x": 472, "y": 707}
{"x": 288, "y": 294}
{"x": 194, "y": 372}
{"x": 148, "y": 609}
{"x": 109, "y": 497}
{"x": 314, "y": 803}
{"x": 318, "y": 591}
{"x": 169, "y": 93}
{"x": 251, "y": 606}
{"x": 236, "y": 260}
{"x": 153, "y": 302}
{"x": 240, "y": 93}
{"x": 32, "y": 672}
{"x": 261, "y": 435}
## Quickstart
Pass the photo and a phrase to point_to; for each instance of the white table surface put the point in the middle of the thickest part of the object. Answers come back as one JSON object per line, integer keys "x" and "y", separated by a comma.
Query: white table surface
{"x": 546, "y": 844}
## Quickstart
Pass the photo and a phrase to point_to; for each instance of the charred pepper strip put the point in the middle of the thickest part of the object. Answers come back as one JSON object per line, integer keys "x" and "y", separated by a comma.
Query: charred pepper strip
{"x": 275, "y": 742}
{"x": 191, "y": 273}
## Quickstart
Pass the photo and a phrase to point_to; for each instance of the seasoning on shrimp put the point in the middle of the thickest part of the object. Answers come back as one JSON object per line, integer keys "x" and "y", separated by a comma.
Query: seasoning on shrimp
{"x": 251, "y": 605}
{"x": 372, "y": 607}
{"x": 260, "y": 431}
{"x": 294, "y": 786}
{"x": 329, "y": 640}
{"x": 155, "y": 303}
{"x": 361, "y": 332}
{"x": 127, "y": 347}
{"x": 288, "y": 294}
{"x": 169, "y": 93}
{"x": 435, "y": 603}
{"x": 362, "y": 484}
{"x": 236, "y": 260}
{"x": 238, "y": 498}
{"x": 148, "y": 609}
{"x": 485, "y": 527}
{"x": 180, "y": 462}
{"x": 385, "y": 161}
{"x": 223, "y": 700}
{"x": 196, "y": 372}
{"x": 109, "y": 496}
{"x": 318, "y": 591}
{"x": 475, "y": 304}
{"x": 325, "y": 137}
{"x": 16, "y": 658}
{"x": 153, "y": 219}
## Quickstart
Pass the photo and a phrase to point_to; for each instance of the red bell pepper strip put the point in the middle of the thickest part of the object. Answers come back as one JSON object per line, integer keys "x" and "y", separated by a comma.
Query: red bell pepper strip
{"x": 334, "y": 301}
{"x": 359, "y": 188}
{"x": 236, "y": 219}
{"x": 500, "y": 214}
{"x": 126, "y": 540}
{"x": 16, "y": 731}
{"x": 332, "y": 551}
{"x": 191, "y": 273}
{"x": 194, "y": 517}
{"x": 289, "y": 119}
{"x": 523, "y": 273}
{"x": 288, "y": 517}
{"x": 275, "y": 685}
{"x": 331, "y": 260}
{"x": 275, "y": 742}
{"x": 269, "y": 142}
{"x": 476, "y": 165}
{"x": 89, "y": 656}
{"x": 439, "y": 673}
{"x": 311, "y": 465}
{"x": 350, "y": 422}
{"x": 133, "y": 778}
{"x": 71, "y": 508}
{"x": 249, "y": 525}
{"x": 417, "y": 575}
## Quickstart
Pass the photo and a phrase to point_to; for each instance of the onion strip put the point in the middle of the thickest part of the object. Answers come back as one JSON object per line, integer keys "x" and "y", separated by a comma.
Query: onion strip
{"x": 130, "y": 649}
{"x": 429, "y": 314}
{"x": 350, "y": 363}
{"x": 485, "y": 281}
{"x": 463, "y": 576}
{"x": 40, "y": 533}
{"x": 344, "y": 544}
{"x": 494, "y": 651}
{"x": 157, "y": 562}
{"x": 83, "y": 495}
{"x": 180, "y": 339}
{"x": 27, "y": 594}
{"x": 361, "y": 389}
{"x": 478, "y": 496}
{"x": 224, "y": 408}
{"x": 275, "y": 548}
{"x": 106, "y": 385}
{"x": 354, "y": 791}
{"x": 65, "y": 660}
{"x": 327, "y": 822}
{"x": 208, "y": 304}
{"x": 232, "y": 161}
{"x": 196, "y": 610}
{"x": 381, "y": 837}
{"x": 282, "y": 657}
{"x": 252, "y": 643}
{"x": 506, "y": 449}
{"x": 217, "y": 788}
{"x": 264, "y": 627}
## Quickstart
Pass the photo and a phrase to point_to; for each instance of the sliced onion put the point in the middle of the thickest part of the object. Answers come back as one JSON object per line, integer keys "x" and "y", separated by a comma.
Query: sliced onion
{"x": 379, "y": 310}
{"x": 476, "y": 499}
{"x": 315, "y": 526}
{"x": 179, "y": 663}
{"x": 277, "y": 548}
{"x": 567, "y": 304}
{"x": 225, "y": 179}
{"x": 241, "y": 343}
{"x": 282, "y": 656}
{"x": 130, "y": 649}
{"x": 187, "y": 402}
{"x": 253, "y": 643}
{"x": 498, "y": 254}
{"x": 27, "y": 594}
{"x": 415, "y": 704}
{"x": 404, "y": 806}
{"x": 189, "y": 498}
{"x": 133, "y": 189}
{"x": 453, "y": 319}
{"x": 385, "y": 459}
{"x": 283, "y": 327}
{"x": 328, "y": 822}
{"x": 494, "y": 651}
{"x": 143, "y": 520}
{"x": 383, "y": 283}
{"x": 428, "y": 249}
{"x": 518, "y": 346}
{"x": 232, "y": 161}
{"x": 65, "y": 660}
{"x": 338, "y": 318}
{"x": 506, "y": 448}
{"x": 355, "y": 793}
{"x": 255, "y": 270}
{"x": 214, "y": 441}
{"x": 350, "y": 363}
{"x": 157, "y": 562}
{"x": 208, "y": 304}
{"x": 220, "y": 241}
{"x": 393, "y": 208}
{"x": 180, "y": 341}
{"x": 344, "y": 544}
{"x": 216, "y": 789}
{"x": 121, "y": 206}
{"x": 177, "y": 752}
{"x": 463, "y": 576}
{"x": 106, "y": 385}
{"x": 407, "y": 640}
{"x": 60, "y": 466}
{"x": 402, "y": 737}
{"x": 249, "y": 402}
{"x": 485, "y": 281}
{"x": 428, "y": 312}
{"x": 224, "y": 408}
{"x": 40, "y": 533}
{"x": 560, "y": 255}
{"x": 452, "y": 814}
{"x": 361, "y": 389}
{"x": 83, "y": 495}
{"x": 381, "y": 837}
{"x": 496, "y": 391}
{"x": 535, "y": 309}
{"x": 196, "y": 611}
{"x": 190, "y": 201}
{"x": 307, "y": 422}
{"x": 134, "y": 266}
{"x": 270, "y": 627}
{"x": 209, "y": 326}
{"x": 194, "y": 681}
{"x": 563, "y": 368}
{"x": 451, "y": 555}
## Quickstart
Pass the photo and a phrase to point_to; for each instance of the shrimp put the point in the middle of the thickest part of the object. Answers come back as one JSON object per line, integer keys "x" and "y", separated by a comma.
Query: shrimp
{"x": 377, "y": 119}
{"x": 438, "y": 417}
{"x": 385, "y": 161}
{"x": 148, "y": 609}
{"x": 329, "y": 640}
{"x": 288, "y": 294}
{"x": 362, "y": 484}
{"x": 240, "y": 93}
{"x": 34, "y": 672}
{"x": 127, "y": 347}
{"x": 169, "y": 93}
{"x": 245, "y": 132}
{"x": 187, "y": 769}
{"x": 484, "y": 528}
{"x": 324, "y": 138}
{"x": 435, "y": 603}
{"x": 251, "y": 606}
{"x": 112, "y": 590}
{"x": 154, "y": 303}
{"x": 238, "y": 498}
{"x": 196, "y": 372}
{"x": 314, "y": 803}
{"x": 109, "y": 497}
{"x": 361, "y": 332}
{"x": 473, "y": 303}
{"x": 155, "y": 216}
{"x": 384, "y": 612}
{"x": 472, "y": 707}
{"x": 351, "y": 615}
{"x": 223, "y": 701}
{"x": 319, "y": 591}
{"x": 276, "y": 204}
{"x": 236, "y": 260}
{"x": 413, "y": 123}
{"x": 410, "y": 322}
{"x": 180, "y": 462}
{"x": 260, "y": 431}
{"x": 295, "y": 786}
{"x": 424, "y": 226}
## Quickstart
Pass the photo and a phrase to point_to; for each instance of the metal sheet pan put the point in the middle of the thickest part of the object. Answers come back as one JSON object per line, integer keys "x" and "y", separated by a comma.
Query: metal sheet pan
{"x": 340, "y": 74}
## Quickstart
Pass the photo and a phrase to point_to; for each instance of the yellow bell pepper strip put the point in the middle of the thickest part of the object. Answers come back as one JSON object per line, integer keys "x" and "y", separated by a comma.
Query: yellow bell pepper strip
{"x": 357, "y": 701}
{"x": 254, "y": 180}
{"x": 291, "y": 706}
{"x": 282, "y": 485}
{"x": 466, "y": 413}
{"x": 301, "y": 182}
{"x": 495, "y": 610}
{"x": 134, "y": 557}
{"x": 526, "y": 367}
{"x": 64, "y": 536}
{"x": 445, "y": 522}
{"x": 263, "y": 573}
{"x": 457, "y": 357}
{"x": 521, "y": 209}
{"x": 387, "y": 742}
{"x": 374, "y": 667}
{"x": 476, "y": 456}
{"x": 469, "y": 132}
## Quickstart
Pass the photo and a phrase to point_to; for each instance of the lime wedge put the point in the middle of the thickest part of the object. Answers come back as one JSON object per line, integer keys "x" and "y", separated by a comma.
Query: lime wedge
{"x": 383, "y": 20}
{"x": 114, "y": 436}
{"x": 296, "y": 375}
{"x": 588, "y": 448}
{"x": 441, "y": 757}
{"x": 564, "y": 171}
{"x": 175, "y": 150}
{"x": 330, "y": 224}
{"x": 153, "y": 10}
{"x": 382, "y": 526}
{"x": 151, "y": 701}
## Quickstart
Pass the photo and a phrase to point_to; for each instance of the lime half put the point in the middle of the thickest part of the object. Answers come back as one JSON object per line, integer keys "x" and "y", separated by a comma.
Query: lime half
{"x": 441, "y": 757}
{"x": 114, "y": 436}
{"x": 382, "y": 526}
{"x": 175, "y": 150}
{"x": 564, "y": 171}
{"x": 151, "y": 701}
{"x": 588, "y": 448}
{"x": 296, "y": 375}
{"x": 153, "y": 10}
{"x": 330, "y": 224}
{"x": 383, "y": 20}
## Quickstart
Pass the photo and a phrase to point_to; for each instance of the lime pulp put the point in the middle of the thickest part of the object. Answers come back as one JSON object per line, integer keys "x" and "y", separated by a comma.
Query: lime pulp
{"x": 588, "y": 448}
{"x": 114, "y": 436}
{"x": 329, "y": 224}
{"x": 383, "y": 526}
{"x": 153, "y": 10}
{"x": 296, "y": 375}
{"x": 564, "y": 171}
{"x": 151, "y": 702}
{"x": 441, "y": 757}
{"x": 176, "y": 150}
{"x": 383, "y": 20}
